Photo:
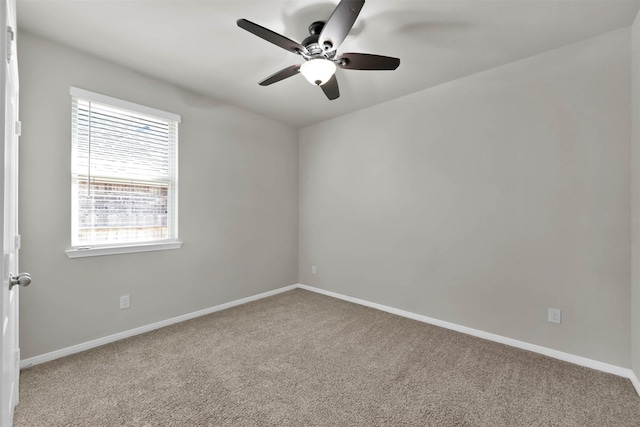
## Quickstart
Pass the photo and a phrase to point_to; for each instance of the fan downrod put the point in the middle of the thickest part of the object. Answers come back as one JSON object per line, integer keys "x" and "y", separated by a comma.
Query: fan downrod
{"x": 316, "y": 28}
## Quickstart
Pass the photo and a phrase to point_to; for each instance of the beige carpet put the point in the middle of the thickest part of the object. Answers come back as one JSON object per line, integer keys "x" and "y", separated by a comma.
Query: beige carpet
{"x": 302, "y": 359}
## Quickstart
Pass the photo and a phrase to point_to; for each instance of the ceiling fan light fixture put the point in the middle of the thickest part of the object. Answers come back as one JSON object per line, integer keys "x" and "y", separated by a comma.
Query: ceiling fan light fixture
{"x": 318, "y": 71}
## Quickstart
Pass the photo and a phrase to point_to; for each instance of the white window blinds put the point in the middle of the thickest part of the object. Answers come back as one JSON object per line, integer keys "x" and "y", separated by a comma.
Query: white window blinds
{"x": 124, "y": 172}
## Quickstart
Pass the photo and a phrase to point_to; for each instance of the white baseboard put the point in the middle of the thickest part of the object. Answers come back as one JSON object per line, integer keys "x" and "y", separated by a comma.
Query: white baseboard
{"x": 142, "y": 329}
{"x": 567, "y": 357}
{"x": 556, "y": 354}
{"x": 634, "y": 381}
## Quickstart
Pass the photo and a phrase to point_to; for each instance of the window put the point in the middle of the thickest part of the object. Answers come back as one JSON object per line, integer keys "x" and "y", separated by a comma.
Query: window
{"x": 124, "y": 164}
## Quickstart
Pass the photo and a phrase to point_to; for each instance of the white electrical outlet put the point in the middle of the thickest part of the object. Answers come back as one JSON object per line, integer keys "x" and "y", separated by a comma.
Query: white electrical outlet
{"x": 125, "y": 302}
{"x": 313, "y": 269}
{"x": 555, "y": 315}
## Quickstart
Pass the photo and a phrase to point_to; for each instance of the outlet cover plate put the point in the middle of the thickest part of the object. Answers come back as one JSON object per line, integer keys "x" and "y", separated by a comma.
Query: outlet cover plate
{"x": 555, "y": 315}
{"x": 125, "y": 302}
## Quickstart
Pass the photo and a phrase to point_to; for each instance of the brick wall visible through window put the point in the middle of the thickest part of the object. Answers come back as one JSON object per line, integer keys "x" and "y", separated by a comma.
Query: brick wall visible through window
{"x": 110, "y": 212}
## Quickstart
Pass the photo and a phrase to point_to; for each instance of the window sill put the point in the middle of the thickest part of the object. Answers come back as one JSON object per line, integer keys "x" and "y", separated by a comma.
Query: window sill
{"x": 115, "y": 250}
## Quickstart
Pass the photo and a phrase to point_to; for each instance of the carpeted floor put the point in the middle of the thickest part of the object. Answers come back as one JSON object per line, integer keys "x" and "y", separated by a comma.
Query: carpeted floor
{"x": 303, "y": 359}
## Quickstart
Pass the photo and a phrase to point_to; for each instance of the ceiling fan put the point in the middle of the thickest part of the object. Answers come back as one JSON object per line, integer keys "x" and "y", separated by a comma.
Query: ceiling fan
{"x": 319, "y": 50}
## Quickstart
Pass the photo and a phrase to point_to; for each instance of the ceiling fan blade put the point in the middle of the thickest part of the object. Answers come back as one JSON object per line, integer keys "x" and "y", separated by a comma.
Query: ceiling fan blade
{"x": 335, "y": 30}
{"x": 270, "y": 36}
{"x": 367, "y": 61}
{"x": 330, "y": 88}
{"x": 281, "y": 75}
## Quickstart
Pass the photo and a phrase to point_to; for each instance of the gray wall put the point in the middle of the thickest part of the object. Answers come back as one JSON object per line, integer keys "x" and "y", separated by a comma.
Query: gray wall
{"x": 482, "y": 202}
{"x": 238, "y": 207}
{"x": 486, "y": 200}
{"x": 635, "y": 198}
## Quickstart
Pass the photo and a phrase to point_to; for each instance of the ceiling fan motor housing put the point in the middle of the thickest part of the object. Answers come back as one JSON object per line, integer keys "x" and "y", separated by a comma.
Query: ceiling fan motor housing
{"x": 311, "y": 42}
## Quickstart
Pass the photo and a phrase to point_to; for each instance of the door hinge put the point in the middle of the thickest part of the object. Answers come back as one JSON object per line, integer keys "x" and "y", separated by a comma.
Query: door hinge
{"x": 18, "y": 128}
{"x": 18, "y": 242}
{"x": 10, "y": 36}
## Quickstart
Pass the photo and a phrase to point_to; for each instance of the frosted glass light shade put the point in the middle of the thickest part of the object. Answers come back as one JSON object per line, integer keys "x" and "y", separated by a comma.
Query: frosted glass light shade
{"x": 318, "y": 71}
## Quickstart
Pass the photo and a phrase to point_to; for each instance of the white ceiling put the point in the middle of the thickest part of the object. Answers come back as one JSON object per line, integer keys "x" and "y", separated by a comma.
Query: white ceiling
{"x": 197, "y": 45}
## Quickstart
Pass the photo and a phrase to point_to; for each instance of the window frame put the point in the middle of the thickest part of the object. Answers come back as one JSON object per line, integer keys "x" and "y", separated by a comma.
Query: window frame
{"x": 121, "y": 248}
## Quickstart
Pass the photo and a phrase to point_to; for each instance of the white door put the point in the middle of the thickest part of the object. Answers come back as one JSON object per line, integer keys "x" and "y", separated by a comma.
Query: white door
{"x": 11, "y": 241}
